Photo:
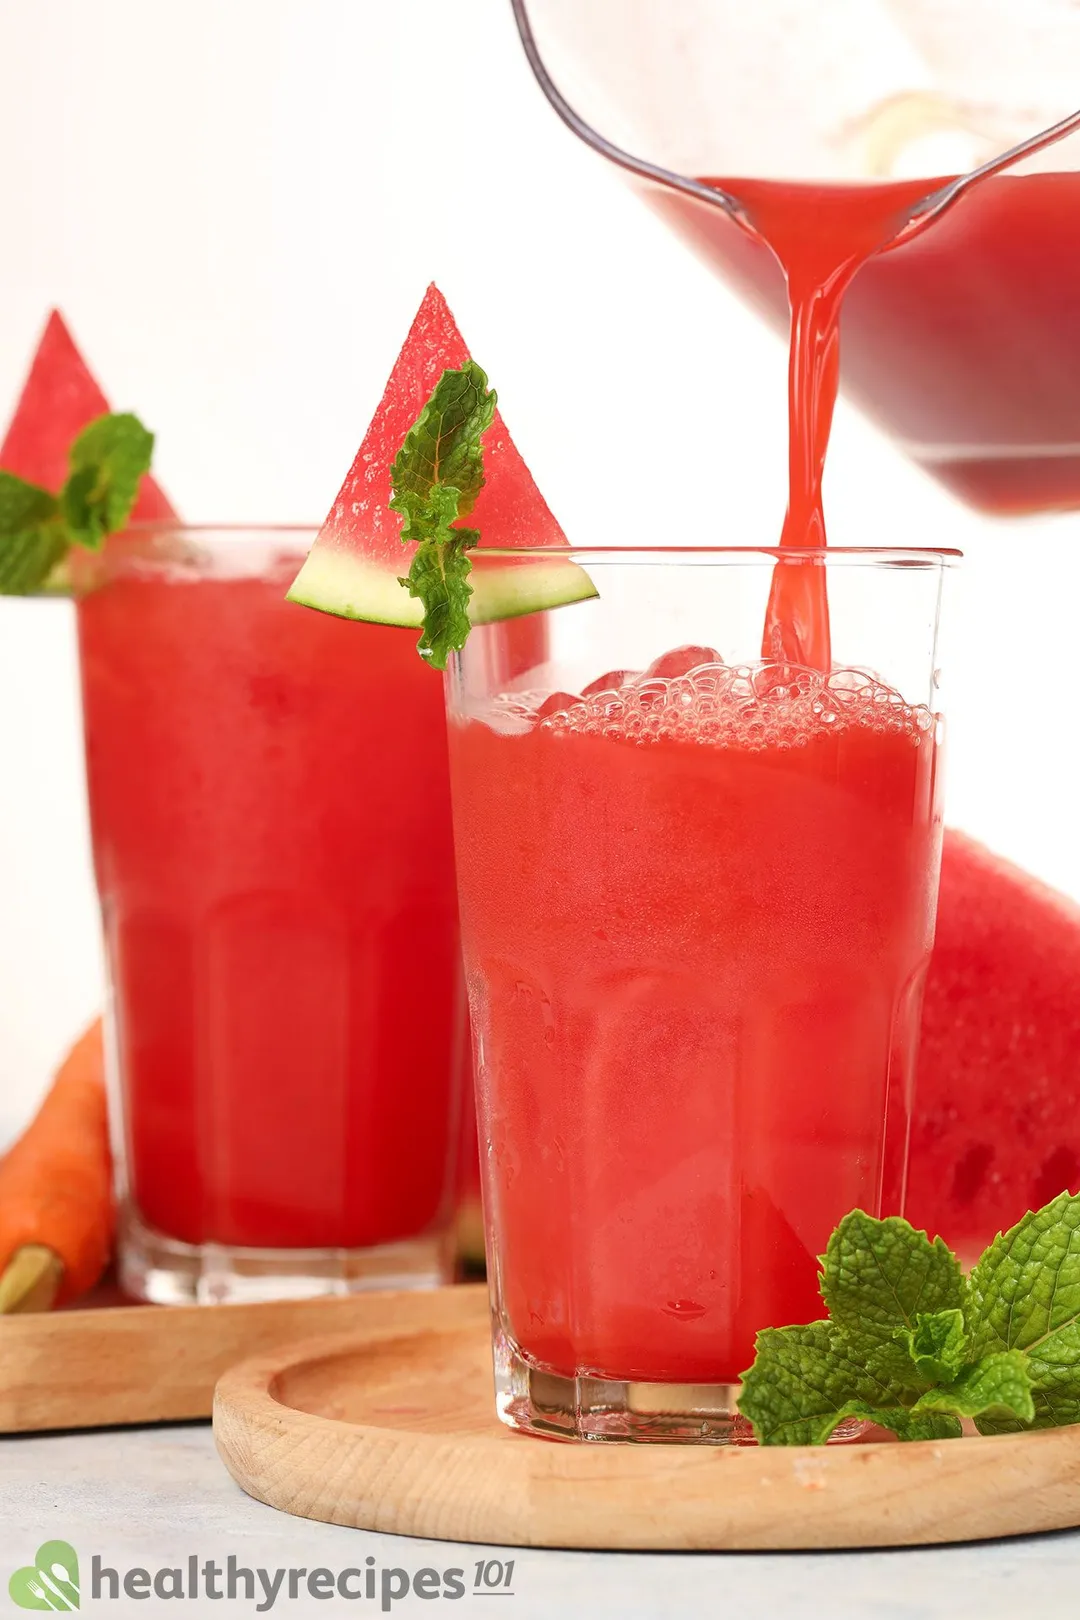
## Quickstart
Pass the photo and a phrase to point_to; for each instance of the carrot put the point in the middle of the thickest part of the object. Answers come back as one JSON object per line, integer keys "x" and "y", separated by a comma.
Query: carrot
{"x": 56, "y": 1199}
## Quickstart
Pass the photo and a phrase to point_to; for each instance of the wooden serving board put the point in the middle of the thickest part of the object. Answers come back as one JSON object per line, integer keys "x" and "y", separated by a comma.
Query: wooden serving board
{"x": 394, "y": 1429}
{"x": 84, "y": 1369}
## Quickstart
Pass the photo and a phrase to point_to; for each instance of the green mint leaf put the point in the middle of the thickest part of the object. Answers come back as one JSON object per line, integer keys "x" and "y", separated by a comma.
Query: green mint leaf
{"x": 23, "y": 505}
{"x": 992, "y": 1423}
{"x": 1025, "y": 1290}
{"x": 902, "y": 1421}
{"x": 107, "y": 461}
{"x": 436, "y": 477}
{"x": 910, "y": 1425}
{"x": 805, "y": 1381}
{"x": 439, "y": 576}
{"x": 1026, "y": 1296}
{"x": 443, "y": 445}
{"x": 907, "y": 1423}
{"x": 31, "y": 538}
{"x": 998, "y": 1386}
{"x": 938, "y": 1345}
{"x": 28, "y": 559}
{"x": 1052, "y": 1408}
{"x": 1055, "y": 1392}
{"x": 877, "y": 1278}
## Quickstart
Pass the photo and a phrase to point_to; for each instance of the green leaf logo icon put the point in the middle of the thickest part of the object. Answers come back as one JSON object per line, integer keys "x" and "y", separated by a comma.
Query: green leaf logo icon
{"x": 50, "y": 1582}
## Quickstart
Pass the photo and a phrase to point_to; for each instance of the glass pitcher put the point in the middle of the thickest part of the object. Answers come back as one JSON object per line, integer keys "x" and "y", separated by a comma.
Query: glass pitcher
{"x": 960, "y": 341}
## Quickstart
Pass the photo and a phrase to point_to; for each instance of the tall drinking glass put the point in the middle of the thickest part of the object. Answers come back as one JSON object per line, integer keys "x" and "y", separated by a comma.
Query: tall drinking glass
{"x": 697, "y": 895}
{"x": 271, "y": 831}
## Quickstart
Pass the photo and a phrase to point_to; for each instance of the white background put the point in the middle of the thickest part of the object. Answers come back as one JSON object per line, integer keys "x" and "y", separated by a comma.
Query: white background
{"x": 238, "y": 203}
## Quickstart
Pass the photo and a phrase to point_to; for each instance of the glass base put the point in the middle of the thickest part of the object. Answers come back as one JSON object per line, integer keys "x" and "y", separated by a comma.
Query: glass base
{"x": 558, "y": 1407}
{"x": 164, "y": 1271}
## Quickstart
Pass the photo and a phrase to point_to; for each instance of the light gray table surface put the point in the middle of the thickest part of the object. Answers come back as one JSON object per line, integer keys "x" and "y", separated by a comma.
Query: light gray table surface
{"x": 153, "y": 1498}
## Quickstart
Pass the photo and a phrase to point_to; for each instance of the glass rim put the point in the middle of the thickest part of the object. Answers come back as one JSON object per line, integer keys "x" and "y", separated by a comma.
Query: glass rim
{"x": 909, "y": 556}
{"x": 148, "y": 527}
{"x": 925, "y": 555}
{"x": 172, "y": 549}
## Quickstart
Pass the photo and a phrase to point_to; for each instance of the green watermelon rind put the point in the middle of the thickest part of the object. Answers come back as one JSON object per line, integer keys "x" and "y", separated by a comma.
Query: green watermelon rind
{"x": 339, "y": 582}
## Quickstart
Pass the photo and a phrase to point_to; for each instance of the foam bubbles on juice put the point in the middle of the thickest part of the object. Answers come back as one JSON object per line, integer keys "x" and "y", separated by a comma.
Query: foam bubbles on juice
{"x": 768, "y": 705}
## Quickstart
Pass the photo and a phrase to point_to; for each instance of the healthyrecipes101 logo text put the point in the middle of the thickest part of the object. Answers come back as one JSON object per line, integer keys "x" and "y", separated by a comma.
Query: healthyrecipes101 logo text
{"x": 52, "y": 1581}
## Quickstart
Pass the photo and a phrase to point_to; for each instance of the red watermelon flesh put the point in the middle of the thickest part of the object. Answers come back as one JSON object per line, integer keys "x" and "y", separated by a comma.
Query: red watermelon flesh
{"x": 59, "y": 398}
{"x": 997, "y": 1105}
{"x": 354, "y": 566}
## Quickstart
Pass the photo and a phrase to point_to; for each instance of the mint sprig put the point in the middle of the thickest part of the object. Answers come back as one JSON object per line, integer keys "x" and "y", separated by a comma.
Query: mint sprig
{"x": 436, "y": 477}
{"x": 912, "y": 1344}
{"x": 107, "y": 461}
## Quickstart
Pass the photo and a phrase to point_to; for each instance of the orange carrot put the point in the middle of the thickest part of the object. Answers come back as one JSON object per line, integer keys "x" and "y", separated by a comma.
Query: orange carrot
{"x": 56, "y": 1199}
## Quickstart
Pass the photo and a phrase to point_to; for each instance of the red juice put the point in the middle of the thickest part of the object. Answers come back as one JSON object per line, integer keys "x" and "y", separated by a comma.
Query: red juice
{"x": 695, "y": 971}
{"x": 272, "y": 843}
{"x": 959, "y": 342}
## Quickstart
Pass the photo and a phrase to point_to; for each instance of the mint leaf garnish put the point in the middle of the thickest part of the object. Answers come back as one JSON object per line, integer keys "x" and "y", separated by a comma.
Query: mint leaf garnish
{"x": 37, "y": 528}
{"x": 31, "y": 537}
{"x": 913, "y": 1345}
{"x": 107, "y": 460}
{"x": 436, "y": 476}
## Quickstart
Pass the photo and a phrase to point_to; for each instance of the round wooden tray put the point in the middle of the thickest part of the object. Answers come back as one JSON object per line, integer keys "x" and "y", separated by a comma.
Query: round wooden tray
{"x": 393, "y": 1428}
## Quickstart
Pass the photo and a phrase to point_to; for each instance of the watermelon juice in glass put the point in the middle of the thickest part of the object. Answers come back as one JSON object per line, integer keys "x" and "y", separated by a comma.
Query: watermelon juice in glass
{"x": 271, "y": 832}
{"x": 697, "y": 894}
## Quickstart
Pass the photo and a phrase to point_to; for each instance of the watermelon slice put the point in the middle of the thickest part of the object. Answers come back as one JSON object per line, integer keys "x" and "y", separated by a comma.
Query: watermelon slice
{"x": 354, "y": 567}
{"x": 997, "y": 1104}
{"x": 60, "y": 396}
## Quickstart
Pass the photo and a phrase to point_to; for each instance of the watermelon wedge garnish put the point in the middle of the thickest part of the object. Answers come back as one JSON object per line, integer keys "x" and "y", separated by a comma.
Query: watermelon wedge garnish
{"x": 356, "y": 563}
{"x": 59, "y": 398}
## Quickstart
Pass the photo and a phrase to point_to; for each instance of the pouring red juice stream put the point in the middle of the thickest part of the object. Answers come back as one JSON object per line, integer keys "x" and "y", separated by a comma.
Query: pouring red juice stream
{"x": 820, "y": 240}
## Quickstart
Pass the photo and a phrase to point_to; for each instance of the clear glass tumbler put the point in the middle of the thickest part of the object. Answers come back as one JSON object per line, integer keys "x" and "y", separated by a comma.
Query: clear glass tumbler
{"x": 697, "y": 893}
{"x": 271, "y": 830}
